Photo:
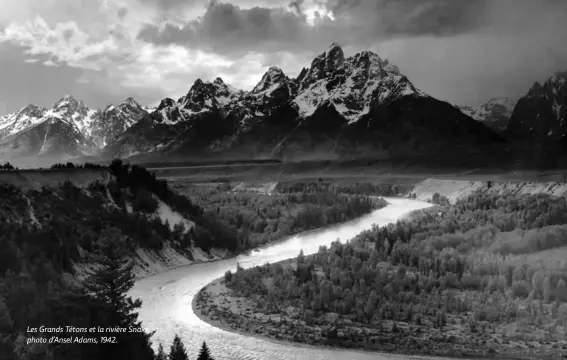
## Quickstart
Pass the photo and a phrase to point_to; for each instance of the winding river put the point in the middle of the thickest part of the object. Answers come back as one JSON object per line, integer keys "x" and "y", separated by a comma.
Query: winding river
{"x": 167, "y": 296}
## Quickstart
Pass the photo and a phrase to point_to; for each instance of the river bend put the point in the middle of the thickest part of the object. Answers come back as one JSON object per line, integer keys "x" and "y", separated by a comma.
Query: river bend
{"x": 167, "y": 296}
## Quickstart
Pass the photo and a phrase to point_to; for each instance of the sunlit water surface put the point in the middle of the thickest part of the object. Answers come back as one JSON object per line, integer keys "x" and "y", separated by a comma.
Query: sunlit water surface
{"x": 167, "y": 296}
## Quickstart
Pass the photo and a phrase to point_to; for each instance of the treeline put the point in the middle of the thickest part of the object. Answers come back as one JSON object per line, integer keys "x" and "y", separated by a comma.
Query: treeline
{"x": 478, "y": 263}
{"x": 383, "y": 189}
{"x": 54, "y": 224}
{"x": 259, "y": 218}
{"x": 70, "y": 165}
{"x": 209, "y": 231}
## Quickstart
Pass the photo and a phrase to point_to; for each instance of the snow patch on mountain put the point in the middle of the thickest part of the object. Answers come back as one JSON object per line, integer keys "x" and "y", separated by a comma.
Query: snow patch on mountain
{"x": 23, "y": 119}
{"x": 495, "y": 113}
{"x": 352, "y": 86}
{"x": 68, "y": 128}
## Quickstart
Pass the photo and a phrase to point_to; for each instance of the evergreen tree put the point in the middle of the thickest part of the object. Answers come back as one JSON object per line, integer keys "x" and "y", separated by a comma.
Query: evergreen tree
{"x": 108, "y": 287}
{"x": 177, "y": 350}
{"x": 204, "y": 354}
{"x": 161, "y": 355}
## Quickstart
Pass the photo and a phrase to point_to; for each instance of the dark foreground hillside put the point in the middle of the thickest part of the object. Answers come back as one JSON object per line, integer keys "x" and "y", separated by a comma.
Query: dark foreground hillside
{"x": 51, "y": 235}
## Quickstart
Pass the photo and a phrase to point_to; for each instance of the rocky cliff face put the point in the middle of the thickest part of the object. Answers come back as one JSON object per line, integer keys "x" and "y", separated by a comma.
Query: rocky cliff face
{"x": 338, "y": 107}
{"x": 542, "y": 112}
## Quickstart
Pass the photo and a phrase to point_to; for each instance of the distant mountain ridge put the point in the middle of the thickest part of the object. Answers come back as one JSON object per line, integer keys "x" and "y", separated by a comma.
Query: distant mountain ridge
{"x": 338, "y": 107}
{"x": 68, "y": 129}
{"x": 495, "y": 113}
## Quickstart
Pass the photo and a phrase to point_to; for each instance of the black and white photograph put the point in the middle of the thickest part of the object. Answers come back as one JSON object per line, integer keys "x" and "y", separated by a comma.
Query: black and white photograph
{"x": 283, "y": 179}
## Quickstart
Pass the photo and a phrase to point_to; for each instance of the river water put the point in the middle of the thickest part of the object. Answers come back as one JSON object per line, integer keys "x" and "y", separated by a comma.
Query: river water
{"x": 167, "y": 296}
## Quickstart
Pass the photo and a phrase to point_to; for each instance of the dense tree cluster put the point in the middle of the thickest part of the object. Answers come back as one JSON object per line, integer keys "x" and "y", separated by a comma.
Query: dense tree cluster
{"x": 7, "y": 167}
{"x": 479, "y": 263}
{"x": 259, "y": 218}
{"x": 382, "y": 189}
{"x": 70, "y": 165}
{"x": 209, "y": 231}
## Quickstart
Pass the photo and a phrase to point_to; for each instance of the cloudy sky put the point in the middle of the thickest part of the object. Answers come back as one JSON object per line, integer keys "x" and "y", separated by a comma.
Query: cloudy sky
{"x": 102, "y": 51}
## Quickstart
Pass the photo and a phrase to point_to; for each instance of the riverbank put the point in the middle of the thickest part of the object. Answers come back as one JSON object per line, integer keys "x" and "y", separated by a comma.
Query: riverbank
{"x": 217, "y": 287}
{"x": 147, "y": 263}
{"x": 219, "y": 306}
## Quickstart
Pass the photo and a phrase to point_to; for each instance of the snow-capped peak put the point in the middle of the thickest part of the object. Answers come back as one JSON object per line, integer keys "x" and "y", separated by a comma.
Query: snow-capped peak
{"x": 24, "y": 118}
{"x": 205, "y": 96}
{"x": 131, "y": 101}
{"x": 334, "y": 57}
{"x": 69, "y": 104}
{"x": 201, "y": 97}
{"x": 351, "y": 85}
{"x": 323, "y": 65}
{"x": 273, "y": 79}
{"x": 494, "y": 113}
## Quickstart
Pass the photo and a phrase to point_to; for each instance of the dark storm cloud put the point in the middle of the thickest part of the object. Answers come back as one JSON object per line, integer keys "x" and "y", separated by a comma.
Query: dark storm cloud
{"x": 167, "y": 5}
{"x": 227, "y": 28}
{"x": 389, "y": 18}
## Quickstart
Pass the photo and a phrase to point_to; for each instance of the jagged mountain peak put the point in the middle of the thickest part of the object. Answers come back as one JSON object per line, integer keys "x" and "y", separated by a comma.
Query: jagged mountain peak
{"x": 131, "y": 101}
{"x": 334, "y": 45}
{"x": 324, "y": 64}
{"x": 164, "y": 103}
{"x": 273, "y": 79}
{"x": 334, "y": 56}
{"x": 352, "y": 85}
{"x": 201, "y": 97}
{"x": 543, "y": 111}
{"x": 274, "y": 70}
{"x": 69, "y": 102}
{"x": 31, "y": 109}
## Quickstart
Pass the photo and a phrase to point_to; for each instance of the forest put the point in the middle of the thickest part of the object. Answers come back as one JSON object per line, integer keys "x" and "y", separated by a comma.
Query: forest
{"x": 484, "y": 276}
{"x": 45, "y": 232}
{"x": 260, "y": 218}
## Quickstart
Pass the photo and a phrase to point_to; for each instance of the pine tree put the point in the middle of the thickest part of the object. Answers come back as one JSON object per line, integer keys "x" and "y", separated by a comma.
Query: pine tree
{"x": 108, "y": 286}
{"x": 177, "y": 350}
{"x": 161, "y": 355}
{"x": 204, "y": 354}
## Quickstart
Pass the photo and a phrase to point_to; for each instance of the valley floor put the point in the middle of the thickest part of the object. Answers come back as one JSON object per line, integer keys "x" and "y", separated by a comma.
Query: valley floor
{"x": 220, "y": 306}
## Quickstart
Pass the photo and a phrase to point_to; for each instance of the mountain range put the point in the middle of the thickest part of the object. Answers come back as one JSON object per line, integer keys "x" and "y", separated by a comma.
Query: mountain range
{"x": 338, "y": 107}
{"x": 494, "y": 114}
{"x": 69, "y": 129}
